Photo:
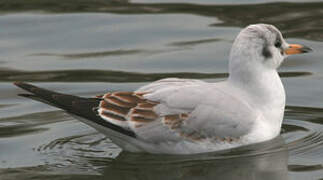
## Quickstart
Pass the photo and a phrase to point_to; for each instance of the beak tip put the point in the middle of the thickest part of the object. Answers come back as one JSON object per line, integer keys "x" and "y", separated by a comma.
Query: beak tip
{"x": 306, "y": 49}
{"x": 297, "y": 49}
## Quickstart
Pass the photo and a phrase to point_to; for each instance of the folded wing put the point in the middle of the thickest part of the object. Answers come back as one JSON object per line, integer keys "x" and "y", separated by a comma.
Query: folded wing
{"x": 178, "y": 109}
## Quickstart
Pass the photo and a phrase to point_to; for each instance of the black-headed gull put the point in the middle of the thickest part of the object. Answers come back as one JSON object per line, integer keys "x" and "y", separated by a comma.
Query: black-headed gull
{"x": 185, "y": 116}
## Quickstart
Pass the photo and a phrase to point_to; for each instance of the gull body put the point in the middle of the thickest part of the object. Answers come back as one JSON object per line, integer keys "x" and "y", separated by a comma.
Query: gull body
{"x": 186, "y": 116}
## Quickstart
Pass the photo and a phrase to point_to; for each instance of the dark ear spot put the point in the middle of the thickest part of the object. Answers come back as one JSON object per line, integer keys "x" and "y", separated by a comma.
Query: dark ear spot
{"x": 278, "y": 43}
{"x": 266, "y": 53}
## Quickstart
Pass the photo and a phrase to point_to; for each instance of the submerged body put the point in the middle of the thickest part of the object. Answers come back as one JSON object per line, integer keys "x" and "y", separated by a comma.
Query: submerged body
{"x": 184, "y": 116}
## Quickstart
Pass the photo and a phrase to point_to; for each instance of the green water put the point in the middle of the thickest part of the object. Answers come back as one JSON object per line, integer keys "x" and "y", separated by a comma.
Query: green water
{"x": 87, "y": 47}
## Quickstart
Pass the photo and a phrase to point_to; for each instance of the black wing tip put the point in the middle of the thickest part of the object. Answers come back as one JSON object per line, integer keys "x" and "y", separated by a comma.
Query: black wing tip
{"x": 19, "y": 83}
{"x": 26, "y": 95}
{"x": 72, "y": 104}
{"x": 25, "y": 86}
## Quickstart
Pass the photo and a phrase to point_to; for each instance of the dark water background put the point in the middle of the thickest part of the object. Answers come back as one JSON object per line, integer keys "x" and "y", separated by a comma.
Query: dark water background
{"x": 87, "y": 47}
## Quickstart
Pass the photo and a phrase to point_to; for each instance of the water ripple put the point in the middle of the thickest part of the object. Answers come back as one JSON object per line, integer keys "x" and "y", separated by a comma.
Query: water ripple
{"x": 284, "y": 15}
{"x": 94, "y": 154}
{"x": 111, "y": 76}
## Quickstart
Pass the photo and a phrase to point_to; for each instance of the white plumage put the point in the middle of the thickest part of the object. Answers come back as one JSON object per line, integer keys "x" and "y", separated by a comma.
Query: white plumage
{"x": 185, "y": 116}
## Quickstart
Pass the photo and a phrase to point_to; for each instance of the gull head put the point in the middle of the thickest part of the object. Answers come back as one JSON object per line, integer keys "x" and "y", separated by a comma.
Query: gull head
{"x": 260, "y": 47}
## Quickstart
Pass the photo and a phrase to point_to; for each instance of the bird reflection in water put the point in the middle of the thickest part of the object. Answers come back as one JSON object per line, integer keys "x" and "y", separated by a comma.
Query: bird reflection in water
{"x": 266, "y": 161}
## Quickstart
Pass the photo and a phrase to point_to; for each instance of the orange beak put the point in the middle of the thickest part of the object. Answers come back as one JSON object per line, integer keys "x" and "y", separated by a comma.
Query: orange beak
{"x": 297, "y": 49}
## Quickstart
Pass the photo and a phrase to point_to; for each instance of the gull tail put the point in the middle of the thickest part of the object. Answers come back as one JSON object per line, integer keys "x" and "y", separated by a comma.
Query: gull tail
{"x": 86, "y": 108}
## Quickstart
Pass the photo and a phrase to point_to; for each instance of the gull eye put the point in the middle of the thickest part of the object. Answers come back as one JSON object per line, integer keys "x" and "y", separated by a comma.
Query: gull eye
{"x": 278, "y": 44}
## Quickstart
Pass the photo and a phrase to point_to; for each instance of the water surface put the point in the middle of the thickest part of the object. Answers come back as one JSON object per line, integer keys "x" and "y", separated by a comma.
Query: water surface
{"x": 87, "y": 47}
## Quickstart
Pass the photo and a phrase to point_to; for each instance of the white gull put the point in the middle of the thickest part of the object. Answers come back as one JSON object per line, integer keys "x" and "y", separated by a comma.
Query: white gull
{"x": 185, "y": 116}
